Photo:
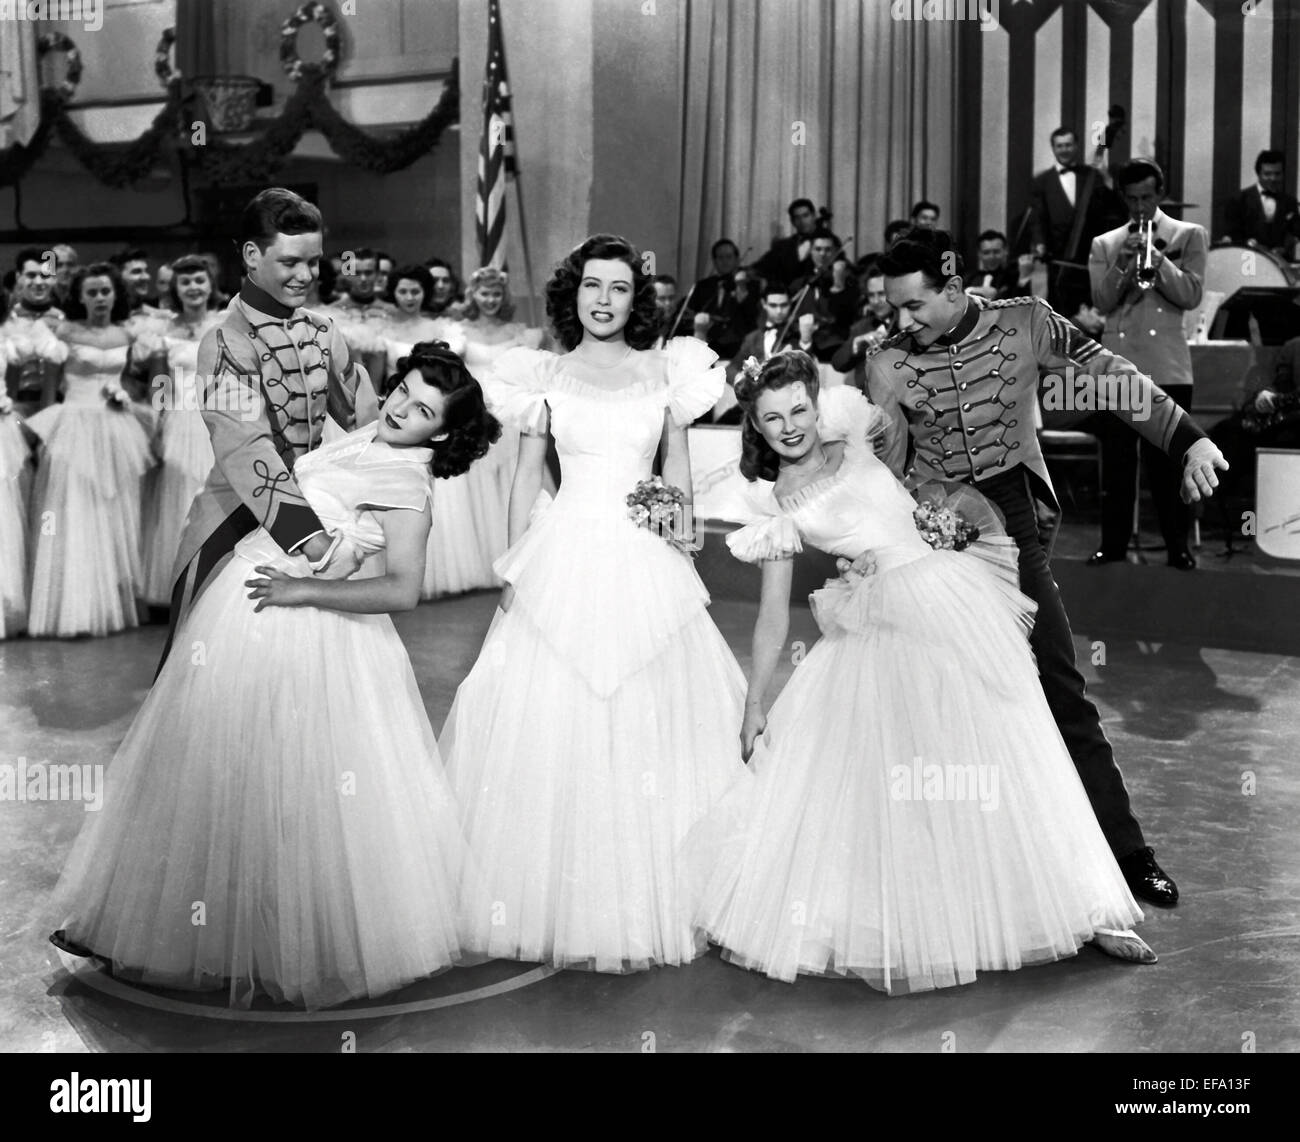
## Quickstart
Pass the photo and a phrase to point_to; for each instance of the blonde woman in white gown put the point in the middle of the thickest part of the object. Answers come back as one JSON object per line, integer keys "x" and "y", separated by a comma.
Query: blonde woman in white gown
{"x": 84, "y": 539}
{"x": 171, "y": 347}
{"x": 599, "y": 722}
{"x": 911, "y": 816}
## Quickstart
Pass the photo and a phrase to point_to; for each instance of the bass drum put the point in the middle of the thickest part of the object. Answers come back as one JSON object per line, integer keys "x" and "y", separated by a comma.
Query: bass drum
{"x": 1230, "y": 268}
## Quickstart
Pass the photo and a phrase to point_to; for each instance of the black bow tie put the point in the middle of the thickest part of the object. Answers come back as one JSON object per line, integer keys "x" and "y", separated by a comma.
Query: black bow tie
{"x": 1267, "y": 194}
{"x": 1065, "y": 170}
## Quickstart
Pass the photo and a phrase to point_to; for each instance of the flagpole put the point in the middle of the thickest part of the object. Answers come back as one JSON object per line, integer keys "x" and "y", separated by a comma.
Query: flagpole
{"x": 528, "y": 260}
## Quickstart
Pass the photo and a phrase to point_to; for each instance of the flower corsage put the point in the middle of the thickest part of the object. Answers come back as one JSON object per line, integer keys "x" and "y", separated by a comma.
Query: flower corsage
{"x": 662, "y": 508}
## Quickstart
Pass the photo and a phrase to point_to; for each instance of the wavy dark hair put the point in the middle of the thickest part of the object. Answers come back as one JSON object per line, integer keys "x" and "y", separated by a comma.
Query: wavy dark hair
{"x": 562, "y": 292}
{"x": 758, "y": 460}
{"x": 457, "y": 286}
{"x": 191, "y": 264}
{"x": 471, "y": 429}
{"x": 73, "y": 307}
{"x": 417, "y": 274}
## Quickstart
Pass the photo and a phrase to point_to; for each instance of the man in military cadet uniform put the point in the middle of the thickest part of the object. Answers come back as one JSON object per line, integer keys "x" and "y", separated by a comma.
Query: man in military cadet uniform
{"x": 962, "y": 376}
{"x": 268, "y": 376}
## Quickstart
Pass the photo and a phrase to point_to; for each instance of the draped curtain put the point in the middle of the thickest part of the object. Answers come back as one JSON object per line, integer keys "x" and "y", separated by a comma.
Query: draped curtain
{"x": 832, "y": 100}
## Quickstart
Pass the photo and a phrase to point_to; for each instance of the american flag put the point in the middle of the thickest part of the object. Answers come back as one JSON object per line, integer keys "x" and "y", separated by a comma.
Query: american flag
{"x": 496, "y": 156}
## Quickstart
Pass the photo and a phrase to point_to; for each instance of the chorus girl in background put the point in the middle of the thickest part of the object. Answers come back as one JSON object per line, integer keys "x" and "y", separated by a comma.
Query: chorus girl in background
{"x": 489, "y": 329}
{"x": 15, "y": 454}
{"x": 599, "y": 721}
{"x": 912, "y": 814}
{"x": 84, "y": 539}
{"x": 171, "y": 347}
{"x": 290, "y": 781}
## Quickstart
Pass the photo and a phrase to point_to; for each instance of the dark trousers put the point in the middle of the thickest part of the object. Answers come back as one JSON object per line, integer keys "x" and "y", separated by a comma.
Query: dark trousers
{"x": 1119, "y": 493}
{"x": 1063, "y": 685}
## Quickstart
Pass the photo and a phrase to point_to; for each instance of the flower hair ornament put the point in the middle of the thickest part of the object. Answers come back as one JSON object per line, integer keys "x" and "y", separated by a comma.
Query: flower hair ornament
{"x": 752, "y": 367}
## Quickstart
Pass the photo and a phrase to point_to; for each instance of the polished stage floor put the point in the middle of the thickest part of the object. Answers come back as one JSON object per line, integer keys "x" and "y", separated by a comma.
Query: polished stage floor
{"x": 1209, "y": 740}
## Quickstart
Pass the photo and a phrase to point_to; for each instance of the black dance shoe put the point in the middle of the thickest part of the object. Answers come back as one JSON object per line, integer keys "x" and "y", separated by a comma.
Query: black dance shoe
{"x": 1183, "y": 560}
{"x": 1097, "y": 558}
{"x": 60, "y": 940}
{"x": 1147, "y": 879}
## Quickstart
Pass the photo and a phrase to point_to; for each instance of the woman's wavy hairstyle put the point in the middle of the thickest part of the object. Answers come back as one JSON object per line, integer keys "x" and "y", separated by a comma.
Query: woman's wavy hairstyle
{"x": 758, "y": 461}
{"x": 488, "y": 275}
{"x": 191, "y": 264}
{"x": 562, "y": 292}
{"x": 457, "y": 286}
{"x": 417, "y": 274}
{"x": 76, "y": 310}
{"x": 470, "y": 429}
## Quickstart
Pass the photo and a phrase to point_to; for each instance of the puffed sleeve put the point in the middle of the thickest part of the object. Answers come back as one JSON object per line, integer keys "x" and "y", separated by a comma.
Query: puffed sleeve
{"x": 694, "y": 383}
{"x": 515, "y": 388}
{"x": 844, "y": 413}
{"x": 149, "y": 342}
{"x": 772, "y": 537}
{"x": 397, "y": 486}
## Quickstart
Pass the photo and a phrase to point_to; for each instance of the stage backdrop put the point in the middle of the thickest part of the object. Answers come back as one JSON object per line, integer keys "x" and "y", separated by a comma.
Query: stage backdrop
{"x": 676, "y": 122}
{"x": 1207, "y": 84}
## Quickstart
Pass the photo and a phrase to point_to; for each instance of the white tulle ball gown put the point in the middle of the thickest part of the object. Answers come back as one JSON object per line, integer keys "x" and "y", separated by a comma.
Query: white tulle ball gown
{"x": 86, "y": 572}
{"x": 601, "y": 718}
{"x": 185, "y": 453}
{"x": 283, "y": 774}
{"x": 911, "y": 815}
{"x": 14, "y": 454}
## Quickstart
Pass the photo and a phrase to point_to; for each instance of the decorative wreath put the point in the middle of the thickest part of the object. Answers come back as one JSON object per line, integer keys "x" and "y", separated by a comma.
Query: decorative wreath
{"x": 162, "y": 62}
{"x": 289, "y": 59}
{"x": 58, "y": 42}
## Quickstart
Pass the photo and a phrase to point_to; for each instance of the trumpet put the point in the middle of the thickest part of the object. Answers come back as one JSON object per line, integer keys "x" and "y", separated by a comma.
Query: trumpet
{"x": 1146, "y": 271}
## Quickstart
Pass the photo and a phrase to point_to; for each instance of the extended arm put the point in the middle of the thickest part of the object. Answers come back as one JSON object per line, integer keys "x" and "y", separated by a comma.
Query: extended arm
{"x": 406, "y": 534}
{"x": 770, "y": 631}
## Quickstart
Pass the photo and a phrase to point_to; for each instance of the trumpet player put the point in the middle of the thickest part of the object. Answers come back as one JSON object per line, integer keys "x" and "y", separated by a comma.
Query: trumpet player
{"x": 1145, "y": 276}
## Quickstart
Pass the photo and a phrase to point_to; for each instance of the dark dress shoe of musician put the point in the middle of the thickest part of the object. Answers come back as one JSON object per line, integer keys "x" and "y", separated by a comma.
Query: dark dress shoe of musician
{"x": 1097, "y": 558}
{"x": 1147, "y": 880}
{"x": 1183, "y": 560}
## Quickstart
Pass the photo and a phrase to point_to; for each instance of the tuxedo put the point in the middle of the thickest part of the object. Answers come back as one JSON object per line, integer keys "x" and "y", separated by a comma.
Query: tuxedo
{"x": 1051, "y": 224}
{"x": 834, "y": 310}
{"x": 732, "y": 318}
{"x": 1146, "y": 326}
{"x": 1246, "y": 220}
{"x": 783, "y": 261}
{"x": 1006, "y": 281}
{"x": 848, "y": 361}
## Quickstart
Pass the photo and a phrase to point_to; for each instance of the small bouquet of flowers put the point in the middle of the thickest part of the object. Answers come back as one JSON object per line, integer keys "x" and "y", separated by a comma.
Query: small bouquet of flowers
{"x": 662, "y": 508}
{"x": 942, "y": 528}
{"x": 116, "y": 396}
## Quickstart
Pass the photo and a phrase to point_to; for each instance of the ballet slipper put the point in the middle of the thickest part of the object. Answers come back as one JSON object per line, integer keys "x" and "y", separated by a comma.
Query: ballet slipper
{"x": 1125, "y": 945}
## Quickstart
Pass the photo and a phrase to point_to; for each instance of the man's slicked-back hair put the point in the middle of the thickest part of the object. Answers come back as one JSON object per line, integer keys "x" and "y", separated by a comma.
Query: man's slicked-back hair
{"x": 929, "y": 252}
{"x": 276, "y": 210}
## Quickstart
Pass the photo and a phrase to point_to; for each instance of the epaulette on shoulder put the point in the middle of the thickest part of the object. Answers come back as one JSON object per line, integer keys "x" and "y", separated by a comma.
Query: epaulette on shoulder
{"x": 1010, "y": 302}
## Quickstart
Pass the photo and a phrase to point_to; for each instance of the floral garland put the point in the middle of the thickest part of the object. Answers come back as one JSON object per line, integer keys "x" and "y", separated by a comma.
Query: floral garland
{"x": 58, "y": 42}
{"x": 123, "y": 164}
{"x": 294, "y": 66}
{"x": 309, "y": 107}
